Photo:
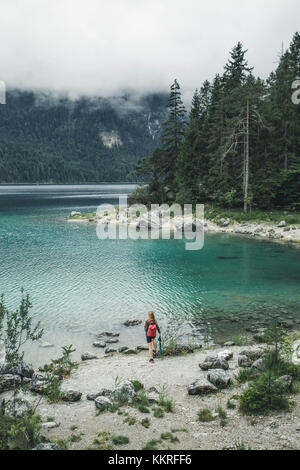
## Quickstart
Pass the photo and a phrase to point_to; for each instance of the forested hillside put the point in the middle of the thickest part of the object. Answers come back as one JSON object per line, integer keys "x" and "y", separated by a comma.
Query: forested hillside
{"x": 86, "y": 140}
{"x": 240, "y": 144}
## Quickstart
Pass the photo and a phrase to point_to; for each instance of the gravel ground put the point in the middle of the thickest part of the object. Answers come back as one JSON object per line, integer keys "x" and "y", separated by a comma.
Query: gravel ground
{"x": 280, "y": 431}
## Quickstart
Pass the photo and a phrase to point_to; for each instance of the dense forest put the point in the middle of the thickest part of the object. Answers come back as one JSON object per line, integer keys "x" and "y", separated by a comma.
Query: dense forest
{"x": 238, "y": 147}
{"x": 46, "y": 139}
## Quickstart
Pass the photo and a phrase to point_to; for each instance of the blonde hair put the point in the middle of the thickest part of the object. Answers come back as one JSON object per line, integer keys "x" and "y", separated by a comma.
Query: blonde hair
{"x": 151, "y": 317}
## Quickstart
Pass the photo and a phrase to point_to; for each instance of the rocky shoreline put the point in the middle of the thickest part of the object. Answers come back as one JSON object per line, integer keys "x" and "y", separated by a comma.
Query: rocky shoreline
{"x": 281, "y": 232}
{"x": 205, "y": 378}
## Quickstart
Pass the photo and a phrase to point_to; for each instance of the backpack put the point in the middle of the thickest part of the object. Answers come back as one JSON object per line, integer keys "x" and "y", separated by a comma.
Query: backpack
{"x": 151, "y": 330}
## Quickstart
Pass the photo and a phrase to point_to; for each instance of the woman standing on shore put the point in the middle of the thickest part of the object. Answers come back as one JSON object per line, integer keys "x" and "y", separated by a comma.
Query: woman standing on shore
{"x": 151, "y": 328}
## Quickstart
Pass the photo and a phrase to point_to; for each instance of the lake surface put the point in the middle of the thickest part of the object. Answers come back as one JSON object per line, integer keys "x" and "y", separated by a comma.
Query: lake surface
{"x": 80, "y": 285}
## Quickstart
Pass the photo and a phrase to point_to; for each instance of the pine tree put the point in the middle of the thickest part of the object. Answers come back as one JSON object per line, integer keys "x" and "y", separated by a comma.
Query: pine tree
{"x": 172, "y": 136}
{"x": 192, "y": 161}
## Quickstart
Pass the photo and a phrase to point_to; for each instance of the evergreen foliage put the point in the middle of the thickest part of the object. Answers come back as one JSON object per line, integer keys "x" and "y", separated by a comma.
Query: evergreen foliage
{"x": 240, "y": 146}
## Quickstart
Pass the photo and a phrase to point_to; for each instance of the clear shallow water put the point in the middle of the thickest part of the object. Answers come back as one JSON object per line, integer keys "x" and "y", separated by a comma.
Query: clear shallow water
{"x": 80, "y": 285}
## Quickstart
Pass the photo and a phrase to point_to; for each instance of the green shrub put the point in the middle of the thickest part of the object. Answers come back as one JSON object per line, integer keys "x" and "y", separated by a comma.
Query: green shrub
{"x": 16, "y": 328}
{"x": 19, "y": 433}
{"x": 168, "y": 436}
{"x": 63, "y": 366}
{"x": 151, "y": 445}
{"x": 165, "y": 402}
{"x": 158, "y": 412}
{"x": 230, "y": 405}
{"x": 52, "y": 390}
{"x": 137, "y": 385}
{"x": 130, "y": 420}
{"x": 205, "y": 415}
{"x": 141, "y": 399}
{"x": 120, "y": 440}
{"x": 145, "y": 422}
{"x": 245, "y": 375}
{"x": 264, "y": 395}
{"x": 222, "y": 415}
{"x": 143, "y": 409}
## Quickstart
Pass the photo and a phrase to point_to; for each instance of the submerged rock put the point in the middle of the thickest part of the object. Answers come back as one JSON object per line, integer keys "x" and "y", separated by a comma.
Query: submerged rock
{"x": 87, "y": 356}
{"x": 46, "y": 345}
{"x": 112, "y": 341}
{"x": 132, "y": 322}
{"x": 110, "y": 350}
{"x": 109, "y": 333}
{"x": 99, "y": 344}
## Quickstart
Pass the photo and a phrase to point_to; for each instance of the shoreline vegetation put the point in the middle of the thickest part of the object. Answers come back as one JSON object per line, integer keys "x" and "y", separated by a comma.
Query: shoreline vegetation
{"x": 275, "y": 226}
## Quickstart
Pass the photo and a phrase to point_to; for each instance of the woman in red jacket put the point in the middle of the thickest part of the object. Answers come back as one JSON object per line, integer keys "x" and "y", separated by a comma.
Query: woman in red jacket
{"x": 151, "y": 328}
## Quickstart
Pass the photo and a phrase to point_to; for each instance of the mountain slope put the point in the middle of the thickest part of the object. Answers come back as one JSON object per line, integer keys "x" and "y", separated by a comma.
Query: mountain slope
{"x": 87, "y": 140}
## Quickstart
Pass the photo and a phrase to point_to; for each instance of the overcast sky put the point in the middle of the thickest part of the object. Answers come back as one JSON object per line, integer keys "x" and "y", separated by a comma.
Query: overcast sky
{"x": 104, "y": 46}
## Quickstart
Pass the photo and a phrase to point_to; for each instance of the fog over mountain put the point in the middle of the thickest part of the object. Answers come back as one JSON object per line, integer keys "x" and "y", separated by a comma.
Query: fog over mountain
{"x": 108, "y": 47}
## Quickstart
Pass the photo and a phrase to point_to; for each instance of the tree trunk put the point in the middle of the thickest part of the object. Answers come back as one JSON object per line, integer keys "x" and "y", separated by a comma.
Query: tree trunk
{"x": 246, "y": 175}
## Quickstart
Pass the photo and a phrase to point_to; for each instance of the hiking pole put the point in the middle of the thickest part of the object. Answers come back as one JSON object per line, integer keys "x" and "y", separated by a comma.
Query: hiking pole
{"x": 160, "y": 348}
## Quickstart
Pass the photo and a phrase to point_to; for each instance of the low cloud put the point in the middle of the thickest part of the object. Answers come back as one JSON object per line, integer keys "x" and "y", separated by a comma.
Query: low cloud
{"x": 110, "y": 47}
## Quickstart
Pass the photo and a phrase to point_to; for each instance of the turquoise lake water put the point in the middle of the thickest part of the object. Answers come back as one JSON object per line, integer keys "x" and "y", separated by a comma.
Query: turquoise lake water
{"x": 80, "y": 285}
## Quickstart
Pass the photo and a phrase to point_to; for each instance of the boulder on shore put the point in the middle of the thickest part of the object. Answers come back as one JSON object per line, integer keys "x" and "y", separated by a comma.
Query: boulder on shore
{"x": 40, "y": 382}
{"x": 47, "y": 446}
{"x": 244, "y": 361}
{"x": 282, "y": 224}
{"x": 214, "y": 362}
{"x": 219, "y": 378}
{"x": 18, "y": 407}
{"x": 9, "y": 382}
{"x": 259, "y": 365}
{"x": 103, "y": 403}
{"x": 125, "y": 391}
{"x": 201, "y": 387}
{"x": 226, "y": 355}
{"x": 71, "y": 395}
{"x": 22, "y": 369}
